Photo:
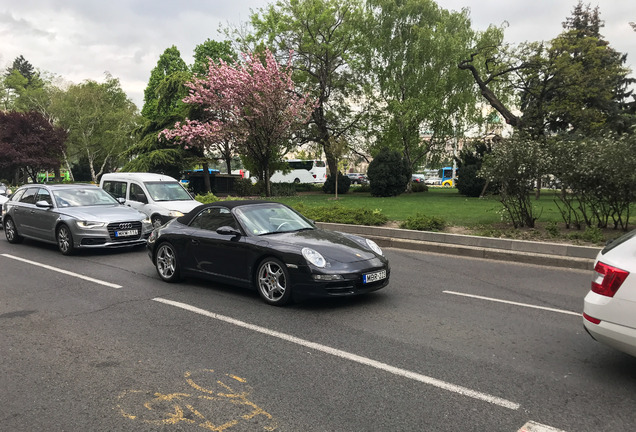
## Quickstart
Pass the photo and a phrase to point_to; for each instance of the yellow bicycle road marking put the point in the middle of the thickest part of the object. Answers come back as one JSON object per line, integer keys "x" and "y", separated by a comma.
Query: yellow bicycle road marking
{"x": 173, "y": 408}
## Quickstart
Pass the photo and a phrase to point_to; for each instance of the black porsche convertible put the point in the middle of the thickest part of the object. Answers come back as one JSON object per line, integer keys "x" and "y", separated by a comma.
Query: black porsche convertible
{"x": 268, "y": 246}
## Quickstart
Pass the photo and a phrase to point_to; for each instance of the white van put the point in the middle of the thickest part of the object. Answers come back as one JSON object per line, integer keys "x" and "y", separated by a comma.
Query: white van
{"x": 159, "y": 196}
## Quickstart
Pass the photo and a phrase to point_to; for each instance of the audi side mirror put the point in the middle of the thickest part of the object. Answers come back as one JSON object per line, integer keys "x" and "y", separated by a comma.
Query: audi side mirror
{"x": 43, "y": 204}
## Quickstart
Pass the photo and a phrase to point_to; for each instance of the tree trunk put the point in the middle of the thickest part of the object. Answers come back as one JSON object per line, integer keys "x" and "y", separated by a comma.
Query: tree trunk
{"x": 68, "y": 167}
{"x": 268, "y": 183}
{"x": 483, "y": 191}
{"x": 537, "y": 194}
{"x": 488, "y": 94}
{"x": 336, "y": 183}
{"x": 206, "y": 177}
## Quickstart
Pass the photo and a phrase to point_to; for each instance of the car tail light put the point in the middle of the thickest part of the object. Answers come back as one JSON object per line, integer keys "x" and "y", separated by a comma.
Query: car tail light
{"x": 607, "y": 279}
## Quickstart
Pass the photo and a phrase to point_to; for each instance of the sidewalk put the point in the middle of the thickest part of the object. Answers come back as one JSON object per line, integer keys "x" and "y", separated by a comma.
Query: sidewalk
{"x": 530, "y": 252}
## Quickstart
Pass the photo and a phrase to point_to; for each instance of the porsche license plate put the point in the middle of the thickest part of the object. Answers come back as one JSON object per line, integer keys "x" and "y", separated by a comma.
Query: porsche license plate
{"x": 374, "y": 277}
{"x": 126, "y": 233}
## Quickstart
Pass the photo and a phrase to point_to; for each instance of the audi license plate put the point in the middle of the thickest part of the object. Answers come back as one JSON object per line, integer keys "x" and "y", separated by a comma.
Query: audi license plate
{"x": 126, "y": 233}
{"x": 374, "y": 277}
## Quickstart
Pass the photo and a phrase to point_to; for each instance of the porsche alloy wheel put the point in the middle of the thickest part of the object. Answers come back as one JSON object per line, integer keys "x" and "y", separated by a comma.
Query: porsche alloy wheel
{"x": 273, "y": 283}
{"x": 167, "y": 263}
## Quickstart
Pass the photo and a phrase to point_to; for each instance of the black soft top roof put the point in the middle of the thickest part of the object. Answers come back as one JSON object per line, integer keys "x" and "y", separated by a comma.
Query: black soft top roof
{"x": 186, "y": 218}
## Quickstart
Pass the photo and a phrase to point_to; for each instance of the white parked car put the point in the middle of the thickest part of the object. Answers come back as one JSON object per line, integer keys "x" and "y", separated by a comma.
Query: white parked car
{"x": 609, "y": 310}
{"x": 160, "y": 197}
{"x": 3, "y": 199}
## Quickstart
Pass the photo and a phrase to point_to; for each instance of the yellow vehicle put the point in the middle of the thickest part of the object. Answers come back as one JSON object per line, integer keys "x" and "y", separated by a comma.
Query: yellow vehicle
{"x": 447, "y": 178}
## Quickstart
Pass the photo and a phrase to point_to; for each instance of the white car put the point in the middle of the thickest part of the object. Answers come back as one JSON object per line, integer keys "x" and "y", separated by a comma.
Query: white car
{"x": 3, "y": 199}
{"x": 609, "y": 310}
{"x": 158, "y": 196}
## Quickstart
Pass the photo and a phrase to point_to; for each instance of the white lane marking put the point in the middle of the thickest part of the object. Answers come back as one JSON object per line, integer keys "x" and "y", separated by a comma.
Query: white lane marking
{"x": 538, "y": 427}
{"x": 66, "y": 272}
{"x": 348, "y": 356}
{"x": 513, "y": 303}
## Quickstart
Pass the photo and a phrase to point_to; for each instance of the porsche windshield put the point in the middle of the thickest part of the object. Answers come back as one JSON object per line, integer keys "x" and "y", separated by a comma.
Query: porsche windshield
{"x": 262, "y": 219}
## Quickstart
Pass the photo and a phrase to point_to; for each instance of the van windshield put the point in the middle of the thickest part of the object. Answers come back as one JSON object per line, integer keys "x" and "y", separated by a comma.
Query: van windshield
{"x": 167, "y": 191}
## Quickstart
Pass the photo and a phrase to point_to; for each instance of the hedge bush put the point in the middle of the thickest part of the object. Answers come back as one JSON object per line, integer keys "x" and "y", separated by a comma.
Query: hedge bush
{"x": 207, "y": 198}
{"x": 244, "y": 187}
{"x": 421, "y": 222}
{"x": 419, "y": 187}
{"x": 344, "y": 183}
{"x": 339, "y": 214}
{"x": 388, "y": 173}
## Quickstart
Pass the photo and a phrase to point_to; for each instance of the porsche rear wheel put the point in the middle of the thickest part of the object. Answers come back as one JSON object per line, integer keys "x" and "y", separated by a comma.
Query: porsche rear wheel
{"x": 272, "y": 281}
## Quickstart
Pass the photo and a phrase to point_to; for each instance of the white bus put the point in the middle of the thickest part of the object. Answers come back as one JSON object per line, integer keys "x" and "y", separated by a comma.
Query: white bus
{"x": 302, "y": 171}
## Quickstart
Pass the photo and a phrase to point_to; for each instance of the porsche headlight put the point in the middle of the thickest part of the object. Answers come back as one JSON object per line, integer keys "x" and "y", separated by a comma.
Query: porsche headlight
{"x": 374, "y": 247}
{"x": 314, "y": 257}
{"x": 90, "y": 224}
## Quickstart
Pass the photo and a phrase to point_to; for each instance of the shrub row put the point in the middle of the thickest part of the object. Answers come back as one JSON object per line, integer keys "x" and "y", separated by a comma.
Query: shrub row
{"x": 339, "y": 214}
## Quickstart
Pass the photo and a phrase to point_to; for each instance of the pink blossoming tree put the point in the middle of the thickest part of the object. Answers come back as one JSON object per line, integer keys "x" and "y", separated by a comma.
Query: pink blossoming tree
{"x": 252, "y": 104}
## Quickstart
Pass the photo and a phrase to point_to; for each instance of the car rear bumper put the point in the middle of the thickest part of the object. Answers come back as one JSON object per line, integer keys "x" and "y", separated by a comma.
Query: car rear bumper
{"x": 610, "y": 333}
{"x": 620, "y": 337}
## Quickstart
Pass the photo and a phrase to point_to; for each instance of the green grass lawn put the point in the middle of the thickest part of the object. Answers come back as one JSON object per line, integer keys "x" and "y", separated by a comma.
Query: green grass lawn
{"x": 445, "y": 203}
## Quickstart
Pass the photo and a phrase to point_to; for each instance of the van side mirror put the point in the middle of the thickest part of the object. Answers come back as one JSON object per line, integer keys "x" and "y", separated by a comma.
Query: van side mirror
{"x": 141, "y": 198}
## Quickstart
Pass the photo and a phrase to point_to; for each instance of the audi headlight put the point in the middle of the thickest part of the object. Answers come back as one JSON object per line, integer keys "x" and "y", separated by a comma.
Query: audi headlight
{"x": 374, "y": 247}
{"x": 175, "y": 213}
{"x": 90, "y": 224}
{"x": 314, "y": 257}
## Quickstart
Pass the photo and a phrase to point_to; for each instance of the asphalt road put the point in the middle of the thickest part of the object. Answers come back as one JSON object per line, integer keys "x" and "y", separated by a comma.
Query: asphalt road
{"x": 124, "y": 351}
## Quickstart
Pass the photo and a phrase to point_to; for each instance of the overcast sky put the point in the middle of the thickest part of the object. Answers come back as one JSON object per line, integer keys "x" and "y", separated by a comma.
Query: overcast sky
{"x": 83, "y": 39}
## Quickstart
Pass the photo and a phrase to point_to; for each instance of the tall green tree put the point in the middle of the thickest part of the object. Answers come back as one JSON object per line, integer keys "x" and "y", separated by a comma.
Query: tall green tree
{"x": 326, "y": 41}
{"x": 24, "y": 88}
{"x": 169, "y": 64}
{"x": 99, "y": 119}
{"x": 575, "y": 83}
{"x": 414, "y": 48}
{"x": 163, "y": 107}
{"x": 590, "y": 90}
{"x": 211, "y": 50}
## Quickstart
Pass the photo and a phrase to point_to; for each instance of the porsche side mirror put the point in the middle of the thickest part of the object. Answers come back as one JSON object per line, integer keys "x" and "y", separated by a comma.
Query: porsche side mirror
{"x": 228, "y": 230}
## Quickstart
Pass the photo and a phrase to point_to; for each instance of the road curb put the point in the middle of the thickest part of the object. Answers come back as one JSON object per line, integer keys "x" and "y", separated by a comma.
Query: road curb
{"x": 529, "y": 252}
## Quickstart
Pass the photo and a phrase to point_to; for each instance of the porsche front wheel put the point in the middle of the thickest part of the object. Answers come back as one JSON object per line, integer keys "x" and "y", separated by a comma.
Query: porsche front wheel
{"x": 272, "y": 280}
